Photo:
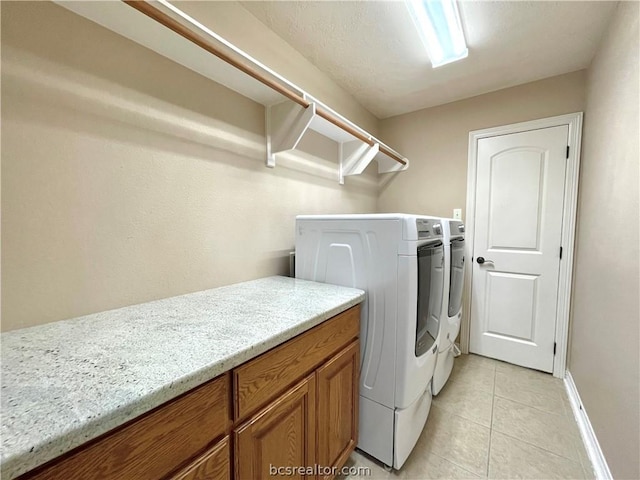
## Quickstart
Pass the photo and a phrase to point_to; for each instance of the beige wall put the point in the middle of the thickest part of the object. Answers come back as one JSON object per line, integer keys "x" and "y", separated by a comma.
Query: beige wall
{"x": 436, "y": 140}
{"x": 604, "y": 360}
{"x": 237, "y": 25}
{"x": 127, "y": 178}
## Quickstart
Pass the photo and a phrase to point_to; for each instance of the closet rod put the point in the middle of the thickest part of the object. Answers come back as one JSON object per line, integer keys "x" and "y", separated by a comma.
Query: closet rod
{"x": 169, "y": 22}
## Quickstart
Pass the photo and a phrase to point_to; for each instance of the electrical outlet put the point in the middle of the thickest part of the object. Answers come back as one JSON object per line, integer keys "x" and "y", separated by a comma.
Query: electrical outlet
{"x": 457, "y": 213}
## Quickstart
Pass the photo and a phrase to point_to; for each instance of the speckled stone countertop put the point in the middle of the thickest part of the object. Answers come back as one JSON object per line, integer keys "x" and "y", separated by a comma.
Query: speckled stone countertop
{"x": 67, "y": 382}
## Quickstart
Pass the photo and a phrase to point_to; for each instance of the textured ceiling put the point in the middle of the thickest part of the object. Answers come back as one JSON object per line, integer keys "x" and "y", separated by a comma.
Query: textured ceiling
{"x": 372, "y": 50}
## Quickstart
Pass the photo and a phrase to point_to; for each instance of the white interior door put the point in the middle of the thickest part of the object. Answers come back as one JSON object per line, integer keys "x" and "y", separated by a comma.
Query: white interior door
{"x": 519, "y": 205}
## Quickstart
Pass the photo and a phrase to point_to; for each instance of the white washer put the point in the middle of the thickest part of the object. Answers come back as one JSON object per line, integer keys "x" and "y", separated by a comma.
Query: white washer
{"x": 398, "y": 260}
{"x": 453, "y": 238}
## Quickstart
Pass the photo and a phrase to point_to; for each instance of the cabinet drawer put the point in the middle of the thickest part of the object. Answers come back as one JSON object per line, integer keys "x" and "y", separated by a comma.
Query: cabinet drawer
{"x": 150, "y": 447}
{"x": 215, "y": 464}
{"x": 260, "y": 380}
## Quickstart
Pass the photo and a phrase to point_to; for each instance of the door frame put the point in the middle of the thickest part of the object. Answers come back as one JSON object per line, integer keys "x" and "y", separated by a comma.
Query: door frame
{"x": 569, "y": 210}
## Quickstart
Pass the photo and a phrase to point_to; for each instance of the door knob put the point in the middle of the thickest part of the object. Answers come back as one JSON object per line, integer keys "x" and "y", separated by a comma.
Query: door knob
{"x": 482, "y": 260}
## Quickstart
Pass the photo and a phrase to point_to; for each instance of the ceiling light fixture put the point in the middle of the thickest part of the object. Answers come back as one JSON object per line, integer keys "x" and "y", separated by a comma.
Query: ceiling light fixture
{"x": 439, "y": 26}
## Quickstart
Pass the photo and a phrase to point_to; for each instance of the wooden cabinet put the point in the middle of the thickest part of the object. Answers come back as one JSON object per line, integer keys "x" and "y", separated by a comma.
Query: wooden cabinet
{"x": 281, "y": 435}
{"x": 293, "y": 406}
{"x": 152, "y": 446}
{"x": 214, "y": 464}
{"x": 314, "y": 422}
{"x": 338, "y": 407}
{"x": 263, "y": 378}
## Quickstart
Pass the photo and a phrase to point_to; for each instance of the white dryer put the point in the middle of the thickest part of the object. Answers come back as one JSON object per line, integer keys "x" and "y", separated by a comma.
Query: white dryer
{"x": 453, "y": 237}
{"x": 398, "y": 260}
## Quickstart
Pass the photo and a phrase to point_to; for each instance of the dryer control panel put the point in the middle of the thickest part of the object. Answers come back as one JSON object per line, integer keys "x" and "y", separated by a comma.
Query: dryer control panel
{"x": 456, "y": 228}
{"x": 428, "y": 228}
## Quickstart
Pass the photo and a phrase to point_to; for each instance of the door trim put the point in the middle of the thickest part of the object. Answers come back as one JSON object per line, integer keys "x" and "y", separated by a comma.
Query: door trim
{"x": 574, "y": 121}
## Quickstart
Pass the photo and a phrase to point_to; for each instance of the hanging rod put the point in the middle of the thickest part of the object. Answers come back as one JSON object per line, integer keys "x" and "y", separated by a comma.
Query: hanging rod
{"x": 166, "y": 20}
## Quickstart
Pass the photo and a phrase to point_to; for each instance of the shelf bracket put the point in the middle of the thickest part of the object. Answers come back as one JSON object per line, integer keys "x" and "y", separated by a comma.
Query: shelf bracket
{"x": 355, "y": 156}
{"x": 388, "y": 165}
{"x": 286, "y": 123}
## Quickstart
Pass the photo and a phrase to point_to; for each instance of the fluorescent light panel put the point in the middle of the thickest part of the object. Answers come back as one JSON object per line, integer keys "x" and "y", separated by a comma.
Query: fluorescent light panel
{"x": 439, "y": 26}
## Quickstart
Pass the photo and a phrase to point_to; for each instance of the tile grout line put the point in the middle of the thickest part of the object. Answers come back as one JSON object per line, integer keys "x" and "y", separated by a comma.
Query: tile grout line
{"x": 538, "y": 393}
{"x": 453, "y": 414}
{"x": 453, "y": 463}
{"x": 550, "y": 392}
{"x": 531, "y": 406}
{"x": 536, "y": 409}
{"x": 493, "y": 399}
{"x": 539, "y": 447}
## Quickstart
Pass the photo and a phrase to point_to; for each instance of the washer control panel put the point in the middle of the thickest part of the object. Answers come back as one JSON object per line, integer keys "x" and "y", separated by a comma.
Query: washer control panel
{"x": 456, "y": 228}
{"x": 428, "y": 228}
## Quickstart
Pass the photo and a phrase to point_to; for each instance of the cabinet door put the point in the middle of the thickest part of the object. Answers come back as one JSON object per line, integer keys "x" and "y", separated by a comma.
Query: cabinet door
{"x": 215, "y": 464}
{"x": 279, "y": 436}
{"x": 338, "y": 407}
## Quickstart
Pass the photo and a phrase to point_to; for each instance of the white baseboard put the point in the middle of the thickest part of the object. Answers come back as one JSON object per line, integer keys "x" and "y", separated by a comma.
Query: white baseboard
{"x": 599, "y": 463}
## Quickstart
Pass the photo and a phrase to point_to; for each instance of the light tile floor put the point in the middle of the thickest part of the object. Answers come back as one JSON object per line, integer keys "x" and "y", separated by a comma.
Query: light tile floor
{"x": 494, "y": 420}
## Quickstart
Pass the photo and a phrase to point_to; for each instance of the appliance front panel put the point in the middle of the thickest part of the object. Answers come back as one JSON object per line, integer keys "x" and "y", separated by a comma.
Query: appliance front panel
{"x": 430, "y": 288}
{"x": 456, "y": 281}
{"x": 413, "y": 373}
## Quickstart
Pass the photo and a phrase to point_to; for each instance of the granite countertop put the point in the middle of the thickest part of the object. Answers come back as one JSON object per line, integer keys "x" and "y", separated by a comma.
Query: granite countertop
{"x": 67, "y": 382}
